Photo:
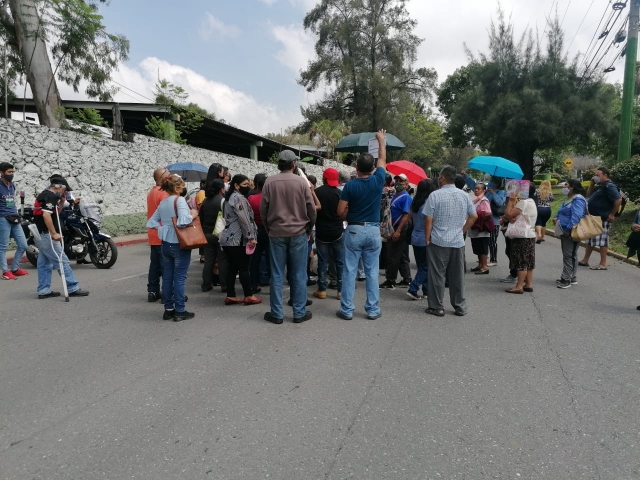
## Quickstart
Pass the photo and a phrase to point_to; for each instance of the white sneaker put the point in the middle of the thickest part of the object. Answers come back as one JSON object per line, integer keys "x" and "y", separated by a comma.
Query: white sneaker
{"x": 509, "y": 279}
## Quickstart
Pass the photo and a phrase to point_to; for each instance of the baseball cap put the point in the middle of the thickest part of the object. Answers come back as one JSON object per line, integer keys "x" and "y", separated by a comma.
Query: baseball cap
{"x": 331, "y": 175}
{"x": 287, "y": 156}
{"x": 59, "y": 180}
{"x": 402, "y": 177}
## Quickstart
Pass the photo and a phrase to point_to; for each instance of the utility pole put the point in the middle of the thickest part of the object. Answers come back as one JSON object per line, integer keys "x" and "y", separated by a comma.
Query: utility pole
{"x": 6, "y": 82}
{"x": 629, "y": 86}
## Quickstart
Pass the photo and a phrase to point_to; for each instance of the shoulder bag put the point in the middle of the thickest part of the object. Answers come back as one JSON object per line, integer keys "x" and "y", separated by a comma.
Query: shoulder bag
{"x": 190, "y": 236}
{"x": 588, "y": 227}
{"x": 221, "y": 224}
{"x": 519, "y": 228}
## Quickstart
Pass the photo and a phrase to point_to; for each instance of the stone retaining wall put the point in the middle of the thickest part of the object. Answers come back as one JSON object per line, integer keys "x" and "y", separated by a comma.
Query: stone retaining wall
{"x": 118, "y": 173}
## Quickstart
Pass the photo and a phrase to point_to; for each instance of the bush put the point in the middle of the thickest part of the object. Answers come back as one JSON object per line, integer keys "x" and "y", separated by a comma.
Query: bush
{"x": 626, "y": 175}
{"x": 557, "y": 176}
{"x": 554, "y": 182}
{"x": 586, "y": 184}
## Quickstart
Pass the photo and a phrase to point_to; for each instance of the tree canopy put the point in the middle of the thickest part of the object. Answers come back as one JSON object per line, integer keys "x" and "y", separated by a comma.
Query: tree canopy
{"x": 519, "y": 98}
{"x": 81, "y": 49}
{"x": 365, "y": 50}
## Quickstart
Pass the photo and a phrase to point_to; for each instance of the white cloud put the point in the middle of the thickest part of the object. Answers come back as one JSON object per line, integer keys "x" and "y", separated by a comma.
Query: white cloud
{"x": 214, "y": 27}
{"x": 445, "y": 28}
{"x": 298, "y": 46}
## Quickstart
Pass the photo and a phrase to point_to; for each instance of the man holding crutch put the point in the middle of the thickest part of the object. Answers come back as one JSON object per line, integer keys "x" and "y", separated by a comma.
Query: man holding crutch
{"x": 51, "y": 254}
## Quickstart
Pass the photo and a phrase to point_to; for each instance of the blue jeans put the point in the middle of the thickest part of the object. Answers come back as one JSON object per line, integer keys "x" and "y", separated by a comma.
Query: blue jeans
{"x": 174, "y": 276}
{"x": 10, "y": 230}
{"x": 48, "y": 260}
{"x": 422, "y": 275}
{"x": 291, "y": 252}
{"x": 155, "y": 269}
{"x": 361, "y": 242}
{"x": 325, "y": 251}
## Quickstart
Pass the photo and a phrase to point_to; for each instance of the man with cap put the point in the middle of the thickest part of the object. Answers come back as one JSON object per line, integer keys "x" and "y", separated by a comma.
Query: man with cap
{"x": 329, "y": 232}
{"x": 45, "y": 211}
{"x": 360, "y": 205}
{"x": 154, "y": 197}
{"x": 288, "y": 214}
{"x": 400, "y": 206}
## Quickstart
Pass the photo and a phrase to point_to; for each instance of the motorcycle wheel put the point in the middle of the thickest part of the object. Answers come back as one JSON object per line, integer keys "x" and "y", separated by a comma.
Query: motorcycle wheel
{"x": 32, "y": 252}
{"x": 106, "y": 255}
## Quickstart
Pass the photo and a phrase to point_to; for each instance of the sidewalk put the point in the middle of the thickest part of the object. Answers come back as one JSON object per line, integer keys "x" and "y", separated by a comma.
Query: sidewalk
{"x": 120, "y": 242}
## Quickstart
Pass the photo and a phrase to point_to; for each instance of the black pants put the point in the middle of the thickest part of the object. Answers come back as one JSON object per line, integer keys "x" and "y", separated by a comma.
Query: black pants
{"x": 262, "y": 248}
{"x": 155, "y": 269}
{"x": 512, "y": 271}
{"x": 238, "y": 263}
{"x": 209, "y": 279}
{"x": 395, "y": 251}
{"x": 493, "y": 245}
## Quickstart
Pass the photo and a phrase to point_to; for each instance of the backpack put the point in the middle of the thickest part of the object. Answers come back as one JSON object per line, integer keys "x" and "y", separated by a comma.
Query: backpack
{"x": 497, "y": 211}
{"x": 386, "y": 227}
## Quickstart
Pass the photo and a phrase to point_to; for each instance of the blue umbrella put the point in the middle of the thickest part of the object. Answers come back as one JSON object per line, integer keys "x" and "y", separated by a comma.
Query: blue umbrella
{"x": 189, "y": 171}
{"x": 497, "y": 166}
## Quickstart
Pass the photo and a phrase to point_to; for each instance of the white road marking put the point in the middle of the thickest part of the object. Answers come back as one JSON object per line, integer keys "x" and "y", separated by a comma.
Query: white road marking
{"x": 129, "y": 277}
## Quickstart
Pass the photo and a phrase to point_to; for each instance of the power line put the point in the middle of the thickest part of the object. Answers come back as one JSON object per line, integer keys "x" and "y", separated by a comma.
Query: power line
{"x": 565, "y": 13}
{"x": 583, "y": 19}
{"x": 606, "y": 51}
{"x": 591, "y": 43}
{"x": 139, "y": 94}
{"x": 603, "y": 36}
{"x": 548, "y": 17}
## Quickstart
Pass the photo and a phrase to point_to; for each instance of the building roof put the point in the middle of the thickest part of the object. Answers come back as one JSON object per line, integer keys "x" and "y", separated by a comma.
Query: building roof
{"x": 213, "y": 135}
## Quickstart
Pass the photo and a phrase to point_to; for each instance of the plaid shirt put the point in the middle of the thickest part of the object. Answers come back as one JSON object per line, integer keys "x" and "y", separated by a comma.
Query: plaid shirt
{"x": 449, "y": 207}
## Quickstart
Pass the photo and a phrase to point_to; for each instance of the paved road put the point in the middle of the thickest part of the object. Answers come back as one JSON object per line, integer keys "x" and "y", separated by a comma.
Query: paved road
{"x": 543, "y": 385}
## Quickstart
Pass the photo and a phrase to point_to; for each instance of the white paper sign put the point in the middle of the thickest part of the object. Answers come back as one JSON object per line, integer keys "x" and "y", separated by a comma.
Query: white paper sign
{"x": 374, "y": 147}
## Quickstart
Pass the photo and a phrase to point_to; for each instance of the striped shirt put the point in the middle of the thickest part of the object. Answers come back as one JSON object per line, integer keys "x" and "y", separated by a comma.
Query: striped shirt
{"x": 449, "y": 207}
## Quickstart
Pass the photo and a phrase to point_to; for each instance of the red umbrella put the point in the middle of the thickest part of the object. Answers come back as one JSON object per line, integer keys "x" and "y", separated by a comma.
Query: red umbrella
{"x": 413, "y": 172}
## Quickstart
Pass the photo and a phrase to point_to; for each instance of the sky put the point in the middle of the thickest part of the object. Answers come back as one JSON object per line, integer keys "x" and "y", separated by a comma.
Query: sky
{"x": 241, "y": 58}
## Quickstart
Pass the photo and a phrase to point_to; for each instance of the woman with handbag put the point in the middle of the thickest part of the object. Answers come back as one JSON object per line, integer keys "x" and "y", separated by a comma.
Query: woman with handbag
{"x": 175, "y": 260}
{"x": 521, "y": 214}
{"x": 211, "y": 206}
{"x": 569, "y": 215}
{"x": 480, "y": 231}
{"x": 238, "y": 240}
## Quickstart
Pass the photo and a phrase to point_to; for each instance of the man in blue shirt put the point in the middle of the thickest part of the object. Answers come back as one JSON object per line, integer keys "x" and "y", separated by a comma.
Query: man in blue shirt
{"x": 397, "y": 244}
{"x": 360, "y": 205}
{"x": 10, "y": 226}
{"x": 450, "y": 213}
{"x": 603, "y": 201}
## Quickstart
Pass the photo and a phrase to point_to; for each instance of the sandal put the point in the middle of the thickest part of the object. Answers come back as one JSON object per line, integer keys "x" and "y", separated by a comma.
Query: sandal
{"x": 460, "y": 313}
{"x": 583, "y": 264}
{"x": 528, "y": 289}
{"x": 513, "y": 290}
{"x": 433, "y": 311}
{"x": 475, "y": 269}
{"x": 598, "y": 267}
{"x": 482, "y": 272}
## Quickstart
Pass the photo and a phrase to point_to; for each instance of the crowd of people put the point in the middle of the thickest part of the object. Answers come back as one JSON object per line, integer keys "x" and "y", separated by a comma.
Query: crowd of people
{"x": 265, "y": 231}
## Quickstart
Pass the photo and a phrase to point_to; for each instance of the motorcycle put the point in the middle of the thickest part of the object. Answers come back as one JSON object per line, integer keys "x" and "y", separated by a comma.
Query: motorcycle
{"x": 80, "y": 229}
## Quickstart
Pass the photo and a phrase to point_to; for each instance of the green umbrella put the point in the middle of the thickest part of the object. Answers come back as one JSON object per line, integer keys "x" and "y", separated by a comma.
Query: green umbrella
{"x": 359, "y": 142}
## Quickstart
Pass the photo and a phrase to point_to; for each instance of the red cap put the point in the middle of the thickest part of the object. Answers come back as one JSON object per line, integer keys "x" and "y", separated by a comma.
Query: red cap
{"x": 332, "y": 176}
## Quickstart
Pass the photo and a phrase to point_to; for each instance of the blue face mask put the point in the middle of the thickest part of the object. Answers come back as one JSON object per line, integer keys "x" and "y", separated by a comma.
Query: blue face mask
{"x": 59, "y": 195}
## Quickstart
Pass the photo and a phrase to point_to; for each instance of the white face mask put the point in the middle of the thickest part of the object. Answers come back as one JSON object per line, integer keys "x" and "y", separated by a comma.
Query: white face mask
{"x": 596, "y": 179}
{"x": 565, "y": 191}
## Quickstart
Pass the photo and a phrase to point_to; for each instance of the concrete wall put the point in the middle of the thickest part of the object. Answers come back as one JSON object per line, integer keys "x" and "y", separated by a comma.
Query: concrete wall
{"x": 119, "y": 174}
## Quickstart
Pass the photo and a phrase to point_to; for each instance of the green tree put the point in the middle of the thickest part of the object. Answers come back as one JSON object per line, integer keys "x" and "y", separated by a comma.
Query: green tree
{"x": 365, "y": 50}
{"x": 422, "y": 134}
{"x": 174, "y": 97}
{"x": 328, "y": 133}
{"x": 69, "y": 33}
{"x": 518, "y": 98}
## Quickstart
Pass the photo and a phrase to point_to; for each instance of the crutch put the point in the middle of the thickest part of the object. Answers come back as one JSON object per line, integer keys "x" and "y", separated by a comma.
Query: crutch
{"x": 59, "y": 257}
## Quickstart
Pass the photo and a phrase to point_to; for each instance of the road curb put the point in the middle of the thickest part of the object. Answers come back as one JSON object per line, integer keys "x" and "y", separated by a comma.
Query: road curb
{"x": 616, "y": 255}
{"x": 121, "y": 243}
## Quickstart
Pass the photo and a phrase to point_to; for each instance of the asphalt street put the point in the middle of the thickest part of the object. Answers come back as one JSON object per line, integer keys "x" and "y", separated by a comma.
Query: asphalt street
{"x": 540, "y": 385}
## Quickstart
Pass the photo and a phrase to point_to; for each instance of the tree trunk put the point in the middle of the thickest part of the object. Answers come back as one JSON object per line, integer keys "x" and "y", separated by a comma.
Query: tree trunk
{"x": 35, "y": 58}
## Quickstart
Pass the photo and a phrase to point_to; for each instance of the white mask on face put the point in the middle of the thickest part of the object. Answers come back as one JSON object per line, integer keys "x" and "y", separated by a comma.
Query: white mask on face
{"x": 565, "y": 191}
{"x": 596, "y": 179}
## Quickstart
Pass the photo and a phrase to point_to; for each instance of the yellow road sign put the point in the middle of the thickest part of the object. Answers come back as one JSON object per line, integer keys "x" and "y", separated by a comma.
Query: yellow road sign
{"x": 568, "y": 163}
